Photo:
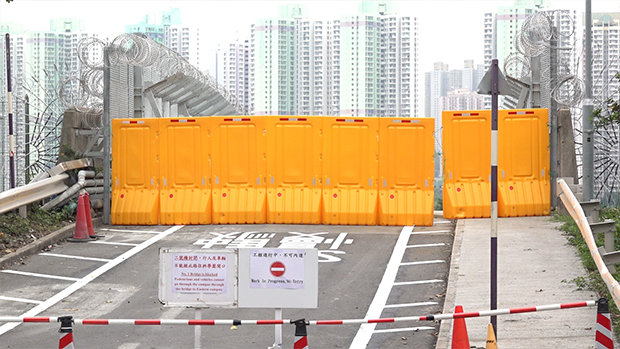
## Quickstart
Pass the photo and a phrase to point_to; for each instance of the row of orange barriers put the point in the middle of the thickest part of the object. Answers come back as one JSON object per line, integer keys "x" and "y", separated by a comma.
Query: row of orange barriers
{"x": 271, "y": 169}
{"x": 523, "y": 183}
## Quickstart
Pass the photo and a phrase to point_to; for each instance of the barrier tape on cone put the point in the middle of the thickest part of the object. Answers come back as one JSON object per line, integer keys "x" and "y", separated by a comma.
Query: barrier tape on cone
{"x": 604, "y": 334}
{"x": 66, "y": 332}
{"x": 436, "y": 317}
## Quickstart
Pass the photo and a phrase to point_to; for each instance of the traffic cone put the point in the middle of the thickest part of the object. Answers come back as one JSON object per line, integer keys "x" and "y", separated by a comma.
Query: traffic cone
{"x": 81, "y": 226}
{"x": 301, "y": 335}
{"x": 89, "y": 218}
{"x": 460, "y": 339}
{"x": 491, "y": 341}
{"x": 66, "y": 332}
{"x": 604, "y": 332}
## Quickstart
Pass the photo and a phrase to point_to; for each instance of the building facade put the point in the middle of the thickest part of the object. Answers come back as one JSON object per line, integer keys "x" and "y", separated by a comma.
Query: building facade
{"x": 362, "y": 64}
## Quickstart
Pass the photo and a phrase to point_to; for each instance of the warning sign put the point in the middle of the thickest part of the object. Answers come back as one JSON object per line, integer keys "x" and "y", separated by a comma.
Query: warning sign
{"x": 277, "y": 268}
{"x": 199, "y": 273}
{"x": 197, "y": 278}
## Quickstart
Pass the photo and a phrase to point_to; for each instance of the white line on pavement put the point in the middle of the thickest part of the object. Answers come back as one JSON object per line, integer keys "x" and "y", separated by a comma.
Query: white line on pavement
{"x": 422, "y": 262}
{"x": 112, "y": 243}
{"x": 88, "y": 278}
{"x": 427, "y": 245}
{"x": 74, "y": 257}
{"x": 46, "y": 276}
{"x": 419, "y": 282}
{"x": 431, "y": 232}
{"x": 20, "y": 300}
{"x": 423, "y": 328}
{"x": 132, "y": 231}
{"x": 407, "y": 305}
{"x": 383, "y": 291}
{"x": 338, "y": 241}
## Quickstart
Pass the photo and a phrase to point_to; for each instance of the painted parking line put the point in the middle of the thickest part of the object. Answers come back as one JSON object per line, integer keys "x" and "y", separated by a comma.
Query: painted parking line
{"x": 383, "y": 291}
{"x": 20, "y": 300}
{"x": 131, "y": 231}
{"x": 45, "y": 276}
{"x": 432, "y": 232}
{"x": 88, "y": 278}
{"x": 412, "y": 329}
{"x": 436, "y": 261}
{"x": 74, "y": 257}
{"x": 427, "y": 245}
{"x": 409, "y": 305}
{"x": 112, "y": 243}
{"x": 418, "y": 282}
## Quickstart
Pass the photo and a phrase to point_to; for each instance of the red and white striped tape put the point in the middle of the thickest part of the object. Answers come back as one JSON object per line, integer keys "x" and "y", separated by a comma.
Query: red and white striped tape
{"x": 437, "y": 317}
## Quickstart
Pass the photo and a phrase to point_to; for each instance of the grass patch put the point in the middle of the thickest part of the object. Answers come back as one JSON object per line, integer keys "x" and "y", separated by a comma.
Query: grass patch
{"x": 16, "y": 231}
{"x": 593, "y": 281}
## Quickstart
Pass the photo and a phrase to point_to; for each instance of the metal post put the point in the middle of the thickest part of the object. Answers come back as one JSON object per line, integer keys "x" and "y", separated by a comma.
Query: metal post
{"x": 106, "y": 136}
{"x": 553, "y": 119}
{"x": 494, "y": 107}
{"x": 587, "y": 134}
{"x": 28, "y": 173}
{"x": 10, "y": 105}
{"x": 197, "y": 329}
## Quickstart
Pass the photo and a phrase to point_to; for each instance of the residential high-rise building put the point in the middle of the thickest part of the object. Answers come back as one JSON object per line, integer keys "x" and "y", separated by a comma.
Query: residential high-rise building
{"x": 362, "y": 64}
{"x": 170, "y": 31}
{"x": 605, "y": 53}
{"x": 236, "y": 70}
{"x": 450, "y": 90}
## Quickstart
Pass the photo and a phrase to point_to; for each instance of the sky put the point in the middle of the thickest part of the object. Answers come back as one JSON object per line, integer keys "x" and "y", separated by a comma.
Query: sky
{"x": 450, "y": 31}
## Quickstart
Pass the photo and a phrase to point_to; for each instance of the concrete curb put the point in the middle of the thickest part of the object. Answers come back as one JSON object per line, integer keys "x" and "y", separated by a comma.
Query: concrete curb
{"x": 445, "y": 328}
{"x": 39, "y": 244}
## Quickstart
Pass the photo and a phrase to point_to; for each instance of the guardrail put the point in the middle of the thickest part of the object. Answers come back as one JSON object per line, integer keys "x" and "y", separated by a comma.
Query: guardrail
{"x": 32, "y": 192}
{"x": 573, "y": 206}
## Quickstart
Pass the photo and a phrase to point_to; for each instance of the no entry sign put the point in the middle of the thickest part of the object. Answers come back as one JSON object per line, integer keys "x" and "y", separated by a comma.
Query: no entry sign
{"x": 278, "y": 278}
{"x": 277, "y": 269}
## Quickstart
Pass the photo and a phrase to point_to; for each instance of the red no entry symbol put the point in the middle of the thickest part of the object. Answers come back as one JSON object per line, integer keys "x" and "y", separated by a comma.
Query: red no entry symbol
{"x": 277, "y": 269}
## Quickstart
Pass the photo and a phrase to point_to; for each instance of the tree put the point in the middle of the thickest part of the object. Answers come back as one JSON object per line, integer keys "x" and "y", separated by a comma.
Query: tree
{"x": 611, "y": 113}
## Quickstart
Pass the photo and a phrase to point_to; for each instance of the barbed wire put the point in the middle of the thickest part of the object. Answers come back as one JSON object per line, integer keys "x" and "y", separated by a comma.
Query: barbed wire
{"x": 84, "y": 92}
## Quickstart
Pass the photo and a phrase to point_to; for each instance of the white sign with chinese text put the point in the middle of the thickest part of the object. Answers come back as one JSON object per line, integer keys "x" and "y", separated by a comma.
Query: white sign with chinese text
{"x": 278, "y": 278}
{"x": 198, "y": 278}
{"x": 277, "y": 268}
{"x": 199, "y": 273}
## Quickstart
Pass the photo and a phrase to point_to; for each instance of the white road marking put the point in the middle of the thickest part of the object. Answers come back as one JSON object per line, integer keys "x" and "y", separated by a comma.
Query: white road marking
{"x": 132, "y": 231}
{"x": 88, "y": 278}
{"x": 412, "y": 329}
{"x": 383, "y": 291}
{"x": 423, "y": 262}
{"x": 432, "y": 232}
{"x": 112, "y": 243}
{"x": 348, "y": 241}
{"x": 74, "y": 257}
{"x": 442, "y": 221}
{"x": 20, "y": 300}
{"x": 338, "y": 241}
{"x": 419, "y": 282}
{"x": 427, "y": 245}
{"x": 407, "y": 305}
{"x": 46, "y": 276}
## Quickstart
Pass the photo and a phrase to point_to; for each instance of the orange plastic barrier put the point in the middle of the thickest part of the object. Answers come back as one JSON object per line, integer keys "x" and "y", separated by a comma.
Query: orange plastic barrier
{"x": 523, "y": 184}
{"x": 238, "y": 170}
{"x": 185, "y": 189}
{"x": 135, "y": 172}
{"x": 294, "y": 169}
{"x": 350, "y": 170}
{"x": 406, "y": 170}
{"x": 467, "y": 164}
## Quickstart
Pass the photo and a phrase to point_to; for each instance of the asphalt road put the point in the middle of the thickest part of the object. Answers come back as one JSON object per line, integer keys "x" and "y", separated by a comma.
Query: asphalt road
{"x": 364, "y": 272}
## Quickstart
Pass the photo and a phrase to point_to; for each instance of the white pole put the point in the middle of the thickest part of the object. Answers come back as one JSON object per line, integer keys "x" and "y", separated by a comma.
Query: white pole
{"x": 278, "y": 340}
{"x": 197, "y": 329}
